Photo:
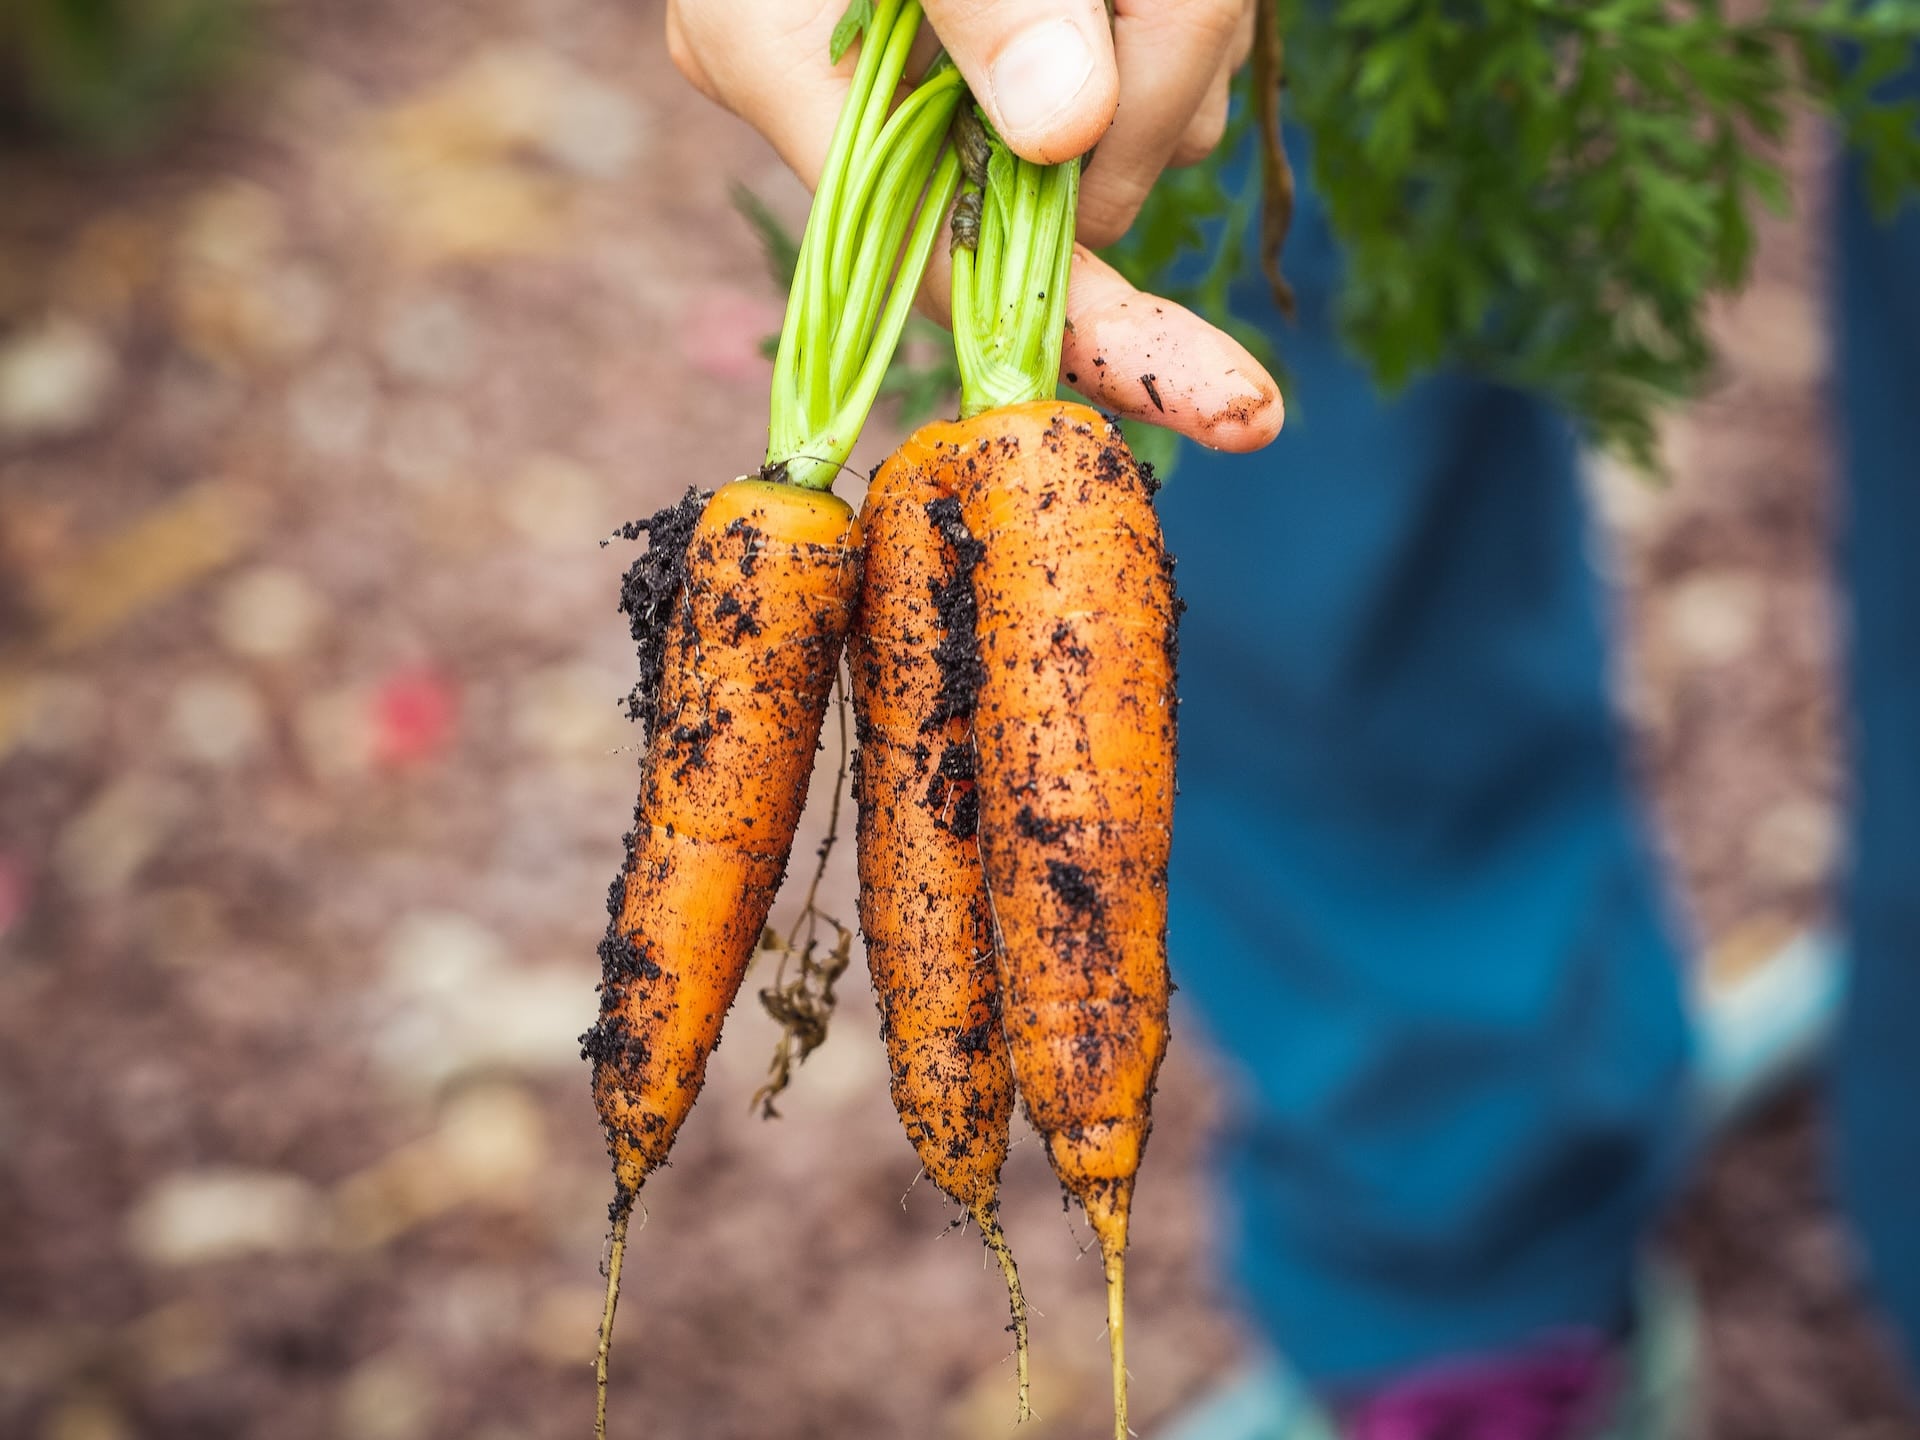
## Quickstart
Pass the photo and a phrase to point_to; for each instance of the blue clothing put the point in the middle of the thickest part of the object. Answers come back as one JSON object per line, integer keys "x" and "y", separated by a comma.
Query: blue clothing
{"x": 1878, "y": 1070}
{"x": 1413, "y": 897}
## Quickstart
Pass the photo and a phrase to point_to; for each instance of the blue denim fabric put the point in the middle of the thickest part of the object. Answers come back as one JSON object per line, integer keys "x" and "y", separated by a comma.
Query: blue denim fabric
{"x": 1412, "y": 899}
{"x": 1878, "y": 1069}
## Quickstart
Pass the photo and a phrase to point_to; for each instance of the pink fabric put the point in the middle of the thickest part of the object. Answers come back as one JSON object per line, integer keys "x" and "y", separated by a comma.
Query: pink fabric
{"x": 1556, "y": 1391}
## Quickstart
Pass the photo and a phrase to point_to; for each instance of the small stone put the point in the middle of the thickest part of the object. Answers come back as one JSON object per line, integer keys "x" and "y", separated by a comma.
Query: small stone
{"x": 570, "y": 712}
{"x": 1715, "y": 618}
{"x": 217, "y": 720}
{"x": 1795, "y": 843}
{"x": 1778, "y": 335}
{"x": 493, "y": 1139}
{"x": 386, "y": 1398}
{"x": 551, "y": 500}
{"x": 428, "y": 445}
{"x": 430, "y": 952}
{"x": 197, "y": 1217}
{"x": 269, "y": 613}
{"x": 1628, "y": 502}
{"x": 591, "y": 128}
{"x": 428, "y": 339}
{"x": 333, "y": 407}
{"x": 66, "y": 715}
{"x": 105, "y": 846}
{"x": 232, "y": 225}
{"x": 452, "y": 1004}
{"x": 54, "y": 380}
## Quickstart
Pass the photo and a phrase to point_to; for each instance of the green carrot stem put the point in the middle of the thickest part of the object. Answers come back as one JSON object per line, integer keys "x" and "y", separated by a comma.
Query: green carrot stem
{"x": 1010, "y": 288}
{"x": 863, "y": 254}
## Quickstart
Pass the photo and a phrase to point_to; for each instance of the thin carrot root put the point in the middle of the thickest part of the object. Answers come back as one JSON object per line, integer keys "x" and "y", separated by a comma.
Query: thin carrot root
{"x": 996, "y": 1239}
{"x": 616, "y": 1257}
{"x": 1115, "y": 1262}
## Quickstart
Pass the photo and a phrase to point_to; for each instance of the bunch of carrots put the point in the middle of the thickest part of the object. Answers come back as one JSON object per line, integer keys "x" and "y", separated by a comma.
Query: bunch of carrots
{"x": 1005, "y": 606}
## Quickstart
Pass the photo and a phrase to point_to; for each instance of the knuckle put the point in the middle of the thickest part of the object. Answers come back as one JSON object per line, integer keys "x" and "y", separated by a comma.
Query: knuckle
{"x": 1107, "y": 212}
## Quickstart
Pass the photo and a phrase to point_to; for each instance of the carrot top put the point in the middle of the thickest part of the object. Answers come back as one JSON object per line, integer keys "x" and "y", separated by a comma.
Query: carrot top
{"x": 1012, "y": 254}
{"x": 883, "y": 194}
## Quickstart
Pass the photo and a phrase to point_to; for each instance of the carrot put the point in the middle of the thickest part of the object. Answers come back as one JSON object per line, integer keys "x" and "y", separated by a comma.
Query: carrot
{"x": 923, "y": 895}
{"x": 750, "y": 651}
{"x": 742, "y": 614}
{"x": 1074, "y": 728}
{"x": 1074, "y": 721}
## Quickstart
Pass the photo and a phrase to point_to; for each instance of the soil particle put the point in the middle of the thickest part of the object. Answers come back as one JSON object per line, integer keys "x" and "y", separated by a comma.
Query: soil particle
{"x": 1073, "y": 885}
{"x": 957, "y": 655}
{"x": 650, "y": 589}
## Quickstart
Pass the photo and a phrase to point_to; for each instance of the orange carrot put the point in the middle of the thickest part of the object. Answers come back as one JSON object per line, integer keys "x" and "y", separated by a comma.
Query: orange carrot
{"x": 923, "y": 896}
{"x": 749, "y": 650}
{"x": 1074, "y": 723}
{"x": 744, "y": 614}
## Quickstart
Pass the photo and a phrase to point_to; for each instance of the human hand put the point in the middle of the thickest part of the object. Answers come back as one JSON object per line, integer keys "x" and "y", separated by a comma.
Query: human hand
{"x": 1052, "y": 77}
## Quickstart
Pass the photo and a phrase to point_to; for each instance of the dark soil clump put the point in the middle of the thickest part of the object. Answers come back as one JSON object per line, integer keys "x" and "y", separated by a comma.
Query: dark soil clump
{"x": 650, "y": 589}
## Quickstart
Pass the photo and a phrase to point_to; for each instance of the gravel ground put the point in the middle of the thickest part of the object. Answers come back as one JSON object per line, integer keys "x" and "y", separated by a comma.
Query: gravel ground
{"x": 312, "y": 778}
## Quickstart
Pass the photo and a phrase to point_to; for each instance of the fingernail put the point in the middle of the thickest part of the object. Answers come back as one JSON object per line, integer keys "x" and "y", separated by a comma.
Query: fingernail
{"x": 1039, "y": 74}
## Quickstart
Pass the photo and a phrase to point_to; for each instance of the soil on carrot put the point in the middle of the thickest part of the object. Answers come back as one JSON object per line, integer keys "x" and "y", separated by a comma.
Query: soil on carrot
{"x": 958, "y": 653}
{"x": 651, "y": 588}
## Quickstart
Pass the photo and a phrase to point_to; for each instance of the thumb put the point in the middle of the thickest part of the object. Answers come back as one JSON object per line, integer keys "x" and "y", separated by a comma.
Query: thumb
{"x": 1043, "y": 70}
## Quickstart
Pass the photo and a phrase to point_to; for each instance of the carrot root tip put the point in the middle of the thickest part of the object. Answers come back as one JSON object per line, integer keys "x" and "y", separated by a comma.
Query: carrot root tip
{"x": 996, "y": 1239}
{"x": 616, "y": 1257}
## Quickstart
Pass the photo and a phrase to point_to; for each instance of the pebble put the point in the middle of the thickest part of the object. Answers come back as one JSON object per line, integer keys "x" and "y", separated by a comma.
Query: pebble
{"x": 232, "y": 225}
{"x": 104, "y": 847}
{"x": 428, "y": 445}
{"x": 452, "y": 1004}
{"x": 1629, "y": 504}
{"x": 333, "y": 407}
{"x": 55, "y": 380}
{"x": 197, "y": 1217}
{"x": 551, "y": 500}
{"x": 1795, "y": 843}
{"x": 493, "y": 1138}
{"x": 570, "y": 712}
{"x": 1776, "y": 334}
{"x": 1715, "y": 618}
{"x": 66, "y": 715}
{"x": 591, "y": 128}
{"x": 429, "y": 952}
{"x": 268, "y": 612}
{"x": 216, "y": 720}
{"x": 428, "y": 339}
{"x": 389, "y": 1397}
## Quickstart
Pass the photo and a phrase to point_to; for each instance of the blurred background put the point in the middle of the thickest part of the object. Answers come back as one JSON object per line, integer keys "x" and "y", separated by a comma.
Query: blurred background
{"x": 334, "y": 336}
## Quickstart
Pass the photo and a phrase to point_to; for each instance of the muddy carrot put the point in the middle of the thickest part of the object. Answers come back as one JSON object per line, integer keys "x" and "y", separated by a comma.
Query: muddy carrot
{"x": 923, "y": 896}
{"x": 1074, "y": 716}
{"x": 742, "y": 607}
